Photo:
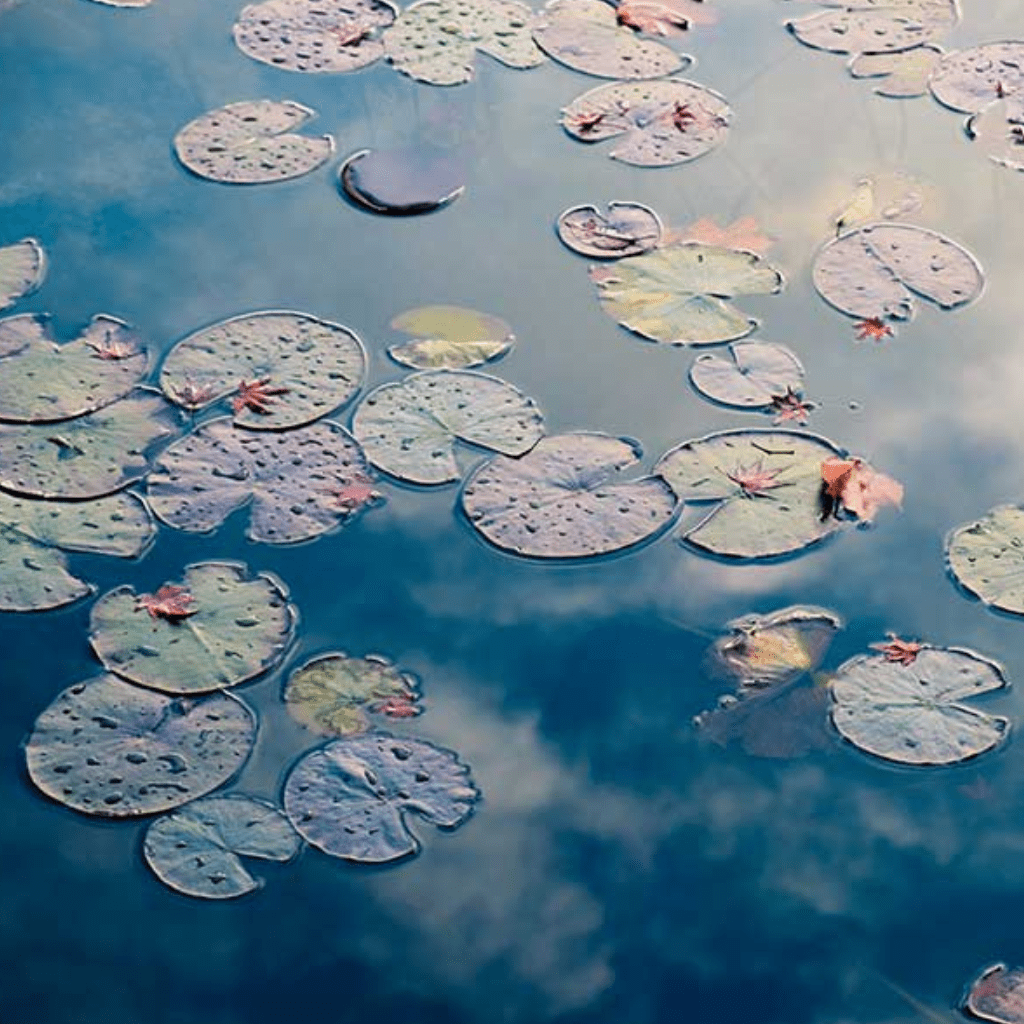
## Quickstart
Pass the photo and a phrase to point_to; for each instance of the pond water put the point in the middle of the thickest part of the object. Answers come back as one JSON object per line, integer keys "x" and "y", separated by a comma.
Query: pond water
{"x": 619, "y": 867}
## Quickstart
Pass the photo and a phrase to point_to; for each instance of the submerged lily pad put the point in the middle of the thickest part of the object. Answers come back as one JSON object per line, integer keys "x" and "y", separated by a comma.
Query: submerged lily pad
{"x": 756, "y": 373}
{"x": 196, "y": 851}
{"x": 409, "y": 429}
{"x": 436, "y": 41}
{"x": 875, "y": 28}
{"x": 352, "y": 797}
{"x": 42, "y": 381}
{"x": 326, "y": 36}
{"x": 662, "y": 123}
{"x": 987, "y": 557}
{"x": 450, "y": 338}
{"x": 911, "y": 713}
{"x": 562, "y": 498}
{"x": 320, "y": 365}
{"x": 969, "y": 80}
{"x": 109, "y": 748}
{"x": 904, "y": 73}
{"x": 295, "y": 481}
{"x": 627, "y": 229}
{"x": 403, "y": 182}
{"x": 677, "y": 294}
{"x": 22, "y": 269}
{"x": 237, "y": 627}
{"x": 765, "y": 485}
{"x": 998, "y": 995}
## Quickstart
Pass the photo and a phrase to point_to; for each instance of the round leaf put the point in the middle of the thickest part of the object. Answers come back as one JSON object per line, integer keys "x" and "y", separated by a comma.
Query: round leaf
{"x": 22, "y": 269}
{"x": 450, "y": 338}
{"x": 402, "y": 182}
{"x": 757, "y": 372}
{"x": 998, "y": 995}
{"x": 627, "y": 229}
{"x": 987, "y": 558}
{"x": 872, "y": 31}
{"x": 969, "y": 80}
{"x": 998, "y": 131}
{"x": 904, "y": 73}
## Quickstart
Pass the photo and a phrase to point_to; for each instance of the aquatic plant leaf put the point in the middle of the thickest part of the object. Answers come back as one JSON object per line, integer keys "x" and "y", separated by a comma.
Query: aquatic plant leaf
{"x": 296, "y": 481}
{"x": 661, "y": 123}
{"x": 335, "y": 693}
{"x": 108, "y": 748}
{"x": 879, "y": 30}
{"x": 998, "y": 995}
{"x": 585, "y": 36}
{"x": 409, "y": 429}
{"x": 969, "y": 80}
{"x": 912, "y": 713}
{"x": 436, "y": 41}
{"x": 562, "y": 499}
{"x": 252, "y": 143}
{"x": 327, "y": 36}
{"x": 320, "y": 364}
{"x": 677, "y": 294}
{"x": 860, "y": 489}
{"x": 403, "y": 182}
{"x": 756, "y": 373}
{"x": 781, "y": 516}
{"x": 234, "y": 629}
{"x": 745, "y": 234}
{"x": 987, "y": 557}
{"x": 904, "y": 73}
{"x": 627, "y": 229}
{"x": 87, "y": 457}
{"x": 652, "y": 18}
{"x": 197, "y": 850}
{"x": 450, "y": 338}
{"x": 903, "y": 651}
{"x": 22, "y": 269}
{"x": 352, "y": 797}
{"x": 998, "y": 129}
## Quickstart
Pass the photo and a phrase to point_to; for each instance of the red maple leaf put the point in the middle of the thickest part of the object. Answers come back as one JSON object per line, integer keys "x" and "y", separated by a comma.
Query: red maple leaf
{"x": 854, "y": 485}
{"x": 791, "y": 406}
{"x": 400, "y": 705}
{"x": 110, "y": 348}
{"x": 256, "y": 396}
{"x": 873, "y": 327}
{"x": 191, "y": 394}
{"x": 755, "y": 479}
{"x": 902, "y": 651}
{"x": 170, "y": 602}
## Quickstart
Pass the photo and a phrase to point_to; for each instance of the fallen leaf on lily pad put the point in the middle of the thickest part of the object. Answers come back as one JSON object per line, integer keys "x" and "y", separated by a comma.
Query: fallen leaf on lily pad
{"x": 756, "y": 374}
{"x": 654, "y": 19}
{"x": 904, "y": 652}
{"x": 998, "y": 995}
{"x": 969, "y": 80}
{"x": 403, "y": 182}
{"x": 22, "y": 269}
{"x": 987, "y": 557}
{"x": 627, "y": 229}
{"x": 858, "y": 488}
{"x": 450, "y": 338}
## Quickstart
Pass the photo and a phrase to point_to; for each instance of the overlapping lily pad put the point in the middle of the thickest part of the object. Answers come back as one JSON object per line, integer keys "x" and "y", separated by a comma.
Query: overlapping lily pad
{"x": 987, "y": 557}
{"x": 197, "y": 851}
{"x": 871, "y": 27}
{"x": 904, "y": 73}
{"x": 108, "y": 748}
{"x": 912, "y": 713}
{"x": 22, "y": 269}
{"x": 403, "y": 182}
{"x": 969, "y": 80}
{"x": 755, "y": 373}
{"x": 297, "y": 482}
{"x": 627, "y": 229}
{"x": 563, "y": 499}
{"x": 998, "y": 995}
{"x": 237, "y": 627}
{"x": 319, "y": 364}
{"x": 352, "y": 798}
{"x": 409, "y": 429}
{"x": 450, "y": 338}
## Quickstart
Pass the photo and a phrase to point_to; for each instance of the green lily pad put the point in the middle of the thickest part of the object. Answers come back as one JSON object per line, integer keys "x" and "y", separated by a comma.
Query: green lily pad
{"x": 912, "y": 713}
{"x": 450, "y": 338}
{"x": 627, "y": 229}
{"x": 676, "y": 295}
{"x": 197, "y": 851}
{"x": 969, "y": 80}
{"x": 111, "y": 749}
{"x": 409, "y": 429}
{"x": 22, "y": 269}
{"x": 757, "y": 372}
{"x": 42, "y": 381}
{"x": 351, "y": 798}
{"x": 237, "y": 628}
{"x": 320, "y": 365}
{"x": 998, "y": 995}
{"x": 987, "y": 558}
{"x": 780, "y": 510}
{"x": 905, "y": 73}
{"x": 872, "y": 29}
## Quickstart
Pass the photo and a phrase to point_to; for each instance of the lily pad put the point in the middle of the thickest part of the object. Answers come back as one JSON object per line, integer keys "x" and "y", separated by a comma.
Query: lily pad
{"x": 436, "y": 41}
{"x": 352, "y": 797}
{"x": 409, "y": 429}
{"x": 998, "y": 995}
{"x": 904, "y": 73}
{"x": 875, "y": 271}
{"x": 987, "y": 558}
{"x": 450, "y": 338}
{"x": 252, "y": 143}
{"x": 765, "y": 486}
{"x": 999, "y": 131}
{"x": 22, "y": 269}
{"x": 403, "y": 182}
{"x": 677, "y": 294}
{"x": 969, "y": 80}
{"x": 108, "y": 748}
{"x": 757, "y": 372}
{"x": 197, "y": 851}
{"x": 873, "y": 29}
{"x": 912, "y": 713}
{"x": 295, "y": 481}
{"x": 238, "y": 628}
{"x": 42, "y": 381}
{"x": 326, "y": 36}
{"x": 334, "y": 694}
{"x": 627, "y": 229}
{"x": 586, "y": 36}
{"x": 662, "y": 123}
{"x": 319, "y": 364}
{"x": 562, "y": 499}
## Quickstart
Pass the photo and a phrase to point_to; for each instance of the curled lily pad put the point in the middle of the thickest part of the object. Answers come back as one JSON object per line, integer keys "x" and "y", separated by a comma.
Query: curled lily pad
{"x": 627, "y": 229}
{"x": 662, "y": 123}
{"x": 450, "y": 338}
{"x": 677, "y": 294}
{"x": 998, "y": 995}
{"x": 86, "y": 457}
{"x": 326, "y": 36}
{"x": 409, "y": 429}
{"x": 335, "y": 693}
{"x": 352, "y": 797}
{"x": 436, "y": 41}
{"x": 875, "y": 271}
{"x": 109, "y": 748}
{"x": 911, "y": 713}
{"x": 562, "y": 498}
{"x": 252, "y": 143}
{"x": 863, "y": 29}
{"x": 299, "y": 483}
{"x": 765, "y": 486}
{"x": 402, "y": 182}
{"x": 904, "y": 73}
{"x": 969, "y": 80}
{"x": 318, "y": 364}
{"x": 236, "y": 628}
{"x": 756, "y": 373}
{"x": 197, "y": 850}
{"x": 42, "y": 381}
{"x": 22, "y": 269}
{"x": 586, "y": 36}
{"x": 987, "y": 557}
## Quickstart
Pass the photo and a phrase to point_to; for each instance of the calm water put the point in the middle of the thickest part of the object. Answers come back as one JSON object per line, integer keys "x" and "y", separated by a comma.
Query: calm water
{"x": 618, "y": 870}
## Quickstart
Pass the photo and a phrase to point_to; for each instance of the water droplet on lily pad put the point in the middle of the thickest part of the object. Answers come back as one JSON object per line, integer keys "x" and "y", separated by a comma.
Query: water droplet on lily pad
{"x": 403, "y": 182}
{"x": 22, "y": 269}
{"x": 756, "y": 373}
{"x": 450, "y": 338}
{"x": 987, "y": 558}
{"x": 627, "y": 229}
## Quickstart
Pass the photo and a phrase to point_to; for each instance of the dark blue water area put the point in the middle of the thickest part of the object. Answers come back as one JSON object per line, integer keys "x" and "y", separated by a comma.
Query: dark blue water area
{"x": 619, "y": 867}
